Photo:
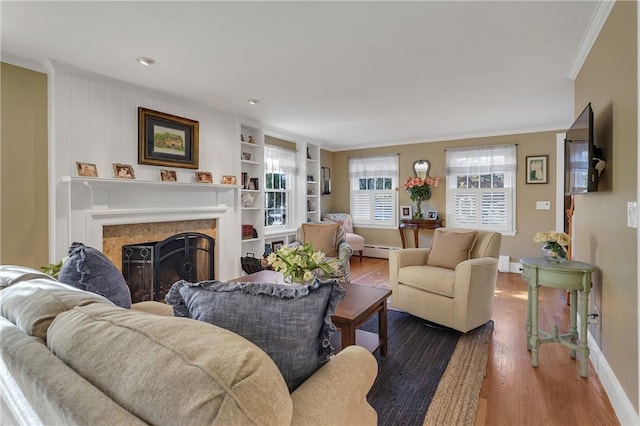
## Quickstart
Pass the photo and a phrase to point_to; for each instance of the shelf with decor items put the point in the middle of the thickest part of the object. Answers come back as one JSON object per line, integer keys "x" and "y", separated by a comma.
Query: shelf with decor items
{"x": 251, "y": 158}
{"x": 312, "y": 173}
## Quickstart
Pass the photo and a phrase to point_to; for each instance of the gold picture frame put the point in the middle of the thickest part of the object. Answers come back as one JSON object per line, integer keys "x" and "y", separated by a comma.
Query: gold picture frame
{"x": 167, "y": 140}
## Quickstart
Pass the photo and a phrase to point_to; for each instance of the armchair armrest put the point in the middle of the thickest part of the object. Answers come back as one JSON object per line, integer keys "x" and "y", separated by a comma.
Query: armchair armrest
{"x": 410, "y": 257}
{"x": 399, "y": 259}
{"x": 336, "y": 394}
{"x": 473, "y": 291}
{"x": 344, "y": 251}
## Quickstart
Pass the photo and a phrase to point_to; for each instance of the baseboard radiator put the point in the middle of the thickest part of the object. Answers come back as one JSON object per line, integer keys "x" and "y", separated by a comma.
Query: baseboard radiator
{"x": 381, "y": 252}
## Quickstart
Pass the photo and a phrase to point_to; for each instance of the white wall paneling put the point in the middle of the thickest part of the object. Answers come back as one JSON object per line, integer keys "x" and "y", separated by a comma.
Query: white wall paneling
{"x": 94, "y": 119}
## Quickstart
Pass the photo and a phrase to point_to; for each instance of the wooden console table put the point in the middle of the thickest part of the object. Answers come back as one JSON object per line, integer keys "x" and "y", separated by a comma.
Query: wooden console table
{"x": 572, "y": 276}
{"x": 416, "y": 225}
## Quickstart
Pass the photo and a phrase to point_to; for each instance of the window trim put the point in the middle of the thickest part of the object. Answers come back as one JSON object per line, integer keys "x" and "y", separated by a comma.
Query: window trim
{"x": 379, "y": 166}
{"x": 509, "y": 169}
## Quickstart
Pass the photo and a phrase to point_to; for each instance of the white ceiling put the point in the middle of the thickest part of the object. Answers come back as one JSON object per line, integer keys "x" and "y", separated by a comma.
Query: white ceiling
{"x": 344, "y": 73}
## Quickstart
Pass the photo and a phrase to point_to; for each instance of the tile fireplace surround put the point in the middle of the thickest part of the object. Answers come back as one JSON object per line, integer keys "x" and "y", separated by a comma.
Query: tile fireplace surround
{"x": 85, "y": 206}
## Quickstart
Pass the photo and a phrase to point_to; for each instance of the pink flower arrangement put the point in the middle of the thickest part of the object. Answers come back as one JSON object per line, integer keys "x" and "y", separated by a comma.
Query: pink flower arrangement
{"x": 420, "y": 189}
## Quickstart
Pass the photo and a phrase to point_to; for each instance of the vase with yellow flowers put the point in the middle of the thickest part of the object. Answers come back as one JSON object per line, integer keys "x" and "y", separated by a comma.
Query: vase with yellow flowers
{"x": 554, "y": 248}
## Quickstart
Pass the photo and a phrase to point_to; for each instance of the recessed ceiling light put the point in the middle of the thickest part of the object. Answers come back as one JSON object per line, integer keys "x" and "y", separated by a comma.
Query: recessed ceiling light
{"x": 145, "y": 60}
{"x": 253, "y": 101}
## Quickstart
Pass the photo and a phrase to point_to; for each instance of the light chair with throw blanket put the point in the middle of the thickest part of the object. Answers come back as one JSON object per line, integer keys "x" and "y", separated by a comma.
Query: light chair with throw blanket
{"x": 330, "y": 239}
{"x": 452, "y": 283}
{"x": 344, "y": 219}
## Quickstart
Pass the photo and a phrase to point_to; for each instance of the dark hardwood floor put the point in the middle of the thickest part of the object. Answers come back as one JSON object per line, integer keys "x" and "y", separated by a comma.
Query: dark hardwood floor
{"x": 514, "y": 392}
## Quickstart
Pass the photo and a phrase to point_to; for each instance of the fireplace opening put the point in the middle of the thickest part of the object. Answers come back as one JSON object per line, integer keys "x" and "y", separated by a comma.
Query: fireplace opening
{"x": 150, "y": 269}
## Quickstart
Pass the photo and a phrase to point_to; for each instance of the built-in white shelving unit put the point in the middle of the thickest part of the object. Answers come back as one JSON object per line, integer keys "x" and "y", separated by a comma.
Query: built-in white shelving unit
{"x": 312, "y": 175}
{"x": 251, "y": 191}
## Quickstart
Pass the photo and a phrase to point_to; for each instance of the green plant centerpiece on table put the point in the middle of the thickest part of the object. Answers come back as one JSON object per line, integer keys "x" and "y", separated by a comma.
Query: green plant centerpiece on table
{"x": 553, "y": 250}
{"x": 299, "y": 264}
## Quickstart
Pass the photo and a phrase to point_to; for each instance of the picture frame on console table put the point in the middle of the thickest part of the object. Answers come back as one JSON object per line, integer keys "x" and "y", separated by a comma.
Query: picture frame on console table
{"x": 406, "y": 212}
{"x": 167, "y": 140}
{"x": 432, "y": 215}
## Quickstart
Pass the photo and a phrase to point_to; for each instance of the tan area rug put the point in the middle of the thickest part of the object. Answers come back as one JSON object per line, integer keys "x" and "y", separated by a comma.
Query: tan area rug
{"x": 456, "y": 399}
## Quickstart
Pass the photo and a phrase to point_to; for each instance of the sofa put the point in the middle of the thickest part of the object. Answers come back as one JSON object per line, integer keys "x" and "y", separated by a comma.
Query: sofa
{"x": 452, "y": 283}
{"x": 69, "y": 356}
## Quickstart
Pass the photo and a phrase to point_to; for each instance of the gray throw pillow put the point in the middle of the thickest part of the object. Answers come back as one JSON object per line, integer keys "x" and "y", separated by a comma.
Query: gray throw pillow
{"x": 291, "y": 323}
{"x": 88, "y": 269}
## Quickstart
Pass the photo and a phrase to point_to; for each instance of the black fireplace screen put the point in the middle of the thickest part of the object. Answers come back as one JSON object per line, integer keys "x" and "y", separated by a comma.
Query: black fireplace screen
{"x": 150, "y": 269}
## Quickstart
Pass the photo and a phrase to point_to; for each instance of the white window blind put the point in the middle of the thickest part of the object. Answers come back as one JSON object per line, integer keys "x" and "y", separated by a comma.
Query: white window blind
{"x": 481, "y": 185}
{"x": 373, "y": 182}
{"x": 280, "y": 166}
{"x": 280, "y": 160}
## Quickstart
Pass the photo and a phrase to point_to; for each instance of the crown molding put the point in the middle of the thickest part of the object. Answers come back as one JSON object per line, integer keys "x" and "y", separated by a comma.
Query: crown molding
{"x": 599, "y": 17}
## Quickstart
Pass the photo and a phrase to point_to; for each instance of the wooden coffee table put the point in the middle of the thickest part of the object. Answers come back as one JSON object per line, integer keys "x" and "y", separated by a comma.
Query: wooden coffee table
{"x": 360, "y": 303}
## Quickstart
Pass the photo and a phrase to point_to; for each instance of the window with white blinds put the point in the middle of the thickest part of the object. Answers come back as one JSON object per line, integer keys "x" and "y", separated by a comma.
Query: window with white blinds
{"x": 280, "y": 167}
{"x": 481, "y": 185}
{"x": 373, "y": 183}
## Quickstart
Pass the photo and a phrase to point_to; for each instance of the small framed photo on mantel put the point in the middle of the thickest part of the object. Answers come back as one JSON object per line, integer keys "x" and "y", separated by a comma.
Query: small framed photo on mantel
{"x": 86, "y": 169}
{"x": 204, "y": 177}
{"x": 123, "y": 171}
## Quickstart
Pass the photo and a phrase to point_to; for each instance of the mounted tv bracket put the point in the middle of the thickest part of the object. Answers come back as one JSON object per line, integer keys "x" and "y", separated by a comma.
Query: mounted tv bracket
{"x": 599, "y": 165}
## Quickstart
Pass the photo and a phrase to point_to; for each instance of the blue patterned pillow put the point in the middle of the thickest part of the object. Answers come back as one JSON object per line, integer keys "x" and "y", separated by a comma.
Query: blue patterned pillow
{"x": 90, "y": 270}
{"x": 291, "y": 323}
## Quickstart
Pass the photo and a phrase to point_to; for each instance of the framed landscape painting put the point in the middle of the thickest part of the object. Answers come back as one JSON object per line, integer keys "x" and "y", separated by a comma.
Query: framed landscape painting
{"x": 167, "y": 140}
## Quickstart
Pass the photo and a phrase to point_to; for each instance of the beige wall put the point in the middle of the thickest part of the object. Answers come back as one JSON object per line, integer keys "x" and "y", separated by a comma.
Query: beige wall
{"x": 280, "y": 142}
{"x": 608, "y": 79}
{"x": 528, "y": 219}
{"x": 23, "y": 167}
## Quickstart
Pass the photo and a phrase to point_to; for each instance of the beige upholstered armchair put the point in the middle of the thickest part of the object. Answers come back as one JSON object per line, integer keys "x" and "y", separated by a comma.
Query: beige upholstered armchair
{"x": 330, "y": 239}
{"x": 452, "y": 283}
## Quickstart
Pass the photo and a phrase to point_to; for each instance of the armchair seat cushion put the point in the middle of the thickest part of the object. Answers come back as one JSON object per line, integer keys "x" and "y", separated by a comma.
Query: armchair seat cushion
{"x": 428, "y": 278}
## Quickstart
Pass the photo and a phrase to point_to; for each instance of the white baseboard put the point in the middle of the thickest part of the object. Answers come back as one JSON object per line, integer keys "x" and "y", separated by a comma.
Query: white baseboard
{"x": 381, "y": 252}
{"x": 622, "y": 406}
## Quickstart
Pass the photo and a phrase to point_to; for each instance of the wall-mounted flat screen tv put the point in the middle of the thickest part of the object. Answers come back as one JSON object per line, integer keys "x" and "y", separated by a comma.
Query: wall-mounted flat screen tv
{"x": 580, "y": 151}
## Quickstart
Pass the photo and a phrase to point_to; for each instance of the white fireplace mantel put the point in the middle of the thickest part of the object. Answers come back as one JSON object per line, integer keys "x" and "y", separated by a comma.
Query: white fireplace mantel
{"x": 93, "y": 203}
